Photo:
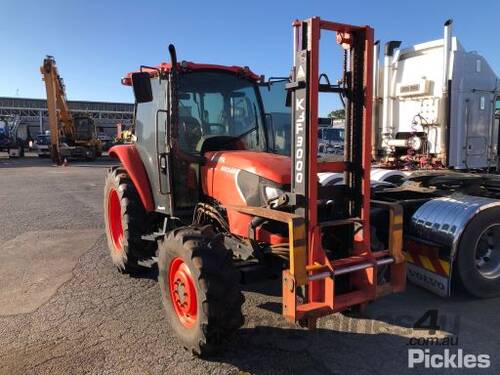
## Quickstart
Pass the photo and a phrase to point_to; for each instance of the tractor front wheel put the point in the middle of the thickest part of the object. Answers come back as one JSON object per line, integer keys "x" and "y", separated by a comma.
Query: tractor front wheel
{"x": 199, "y": 288}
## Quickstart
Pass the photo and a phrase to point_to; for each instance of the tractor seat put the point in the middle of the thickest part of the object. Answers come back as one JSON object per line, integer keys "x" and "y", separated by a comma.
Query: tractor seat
{"x": 189, "y": 133}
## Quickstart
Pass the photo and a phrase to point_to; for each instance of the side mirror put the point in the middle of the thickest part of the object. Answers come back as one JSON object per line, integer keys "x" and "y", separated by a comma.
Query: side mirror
{"x": 141, "y": 83}
{"x": 288, "y": 99}
{"x": 271, "y": 131}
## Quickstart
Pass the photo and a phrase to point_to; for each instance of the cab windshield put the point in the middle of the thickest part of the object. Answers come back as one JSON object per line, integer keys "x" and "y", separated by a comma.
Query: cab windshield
{"x": 219, "y": 104}
{"x": 335, "y": 135}
{"x": 84, "y": 128}
{"x": 278, "y": 116}
{"x": 43, "y": 139}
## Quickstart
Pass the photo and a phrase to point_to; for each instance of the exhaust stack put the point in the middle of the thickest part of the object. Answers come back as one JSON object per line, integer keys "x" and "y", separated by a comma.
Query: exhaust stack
{"x": 387, "y": 101}
{"x": 447, "y": 46}
{"x": 447, "y": 40}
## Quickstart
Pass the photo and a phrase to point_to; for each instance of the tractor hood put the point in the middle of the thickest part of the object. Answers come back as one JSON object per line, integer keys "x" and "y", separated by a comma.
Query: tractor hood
{"x": 273, "y": 167}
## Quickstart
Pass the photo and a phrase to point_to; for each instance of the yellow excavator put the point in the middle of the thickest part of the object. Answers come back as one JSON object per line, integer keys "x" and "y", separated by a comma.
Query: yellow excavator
{"x": 70, "y": 136}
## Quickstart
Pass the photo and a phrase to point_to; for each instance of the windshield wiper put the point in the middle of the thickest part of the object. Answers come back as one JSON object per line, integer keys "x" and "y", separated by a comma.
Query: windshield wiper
{"x": 256, "y": 121}
{"x": 246, "y": 133}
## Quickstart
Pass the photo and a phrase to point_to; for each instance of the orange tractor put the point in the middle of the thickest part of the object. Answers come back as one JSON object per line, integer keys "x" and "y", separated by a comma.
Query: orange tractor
{"x": 220, "y": 187}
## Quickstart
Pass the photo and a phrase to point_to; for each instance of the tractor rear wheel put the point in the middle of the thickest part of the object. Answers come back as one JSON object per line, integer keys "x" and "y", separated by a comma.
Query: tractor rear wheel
{"x": 126, "y": 221}
{"x": 199, "y": 288}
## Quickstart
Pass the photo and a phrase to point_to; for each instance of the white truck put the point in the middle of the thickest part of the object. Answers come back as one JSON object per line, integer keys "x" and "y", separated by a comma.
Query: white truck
{"x": 42, "y": 144}
{"x": 436, "y": 121}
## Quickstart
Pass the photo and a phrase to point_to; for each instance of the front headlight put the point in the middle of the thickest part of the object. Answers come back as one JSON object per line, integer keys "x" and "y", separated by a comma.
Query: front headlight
{"x": 271, "y": 192}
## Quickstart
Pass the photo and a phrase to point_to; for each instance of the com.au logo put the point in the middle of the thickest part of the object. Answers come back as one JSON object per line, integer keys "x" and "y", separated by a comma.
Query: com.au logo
{"x": 446, "y": 352}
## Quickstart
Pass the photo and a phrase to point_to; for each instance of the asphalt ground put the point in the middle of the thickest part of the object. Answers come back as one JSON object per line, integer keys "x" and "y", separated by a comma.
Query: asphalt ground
{"x": 64, "y": 309}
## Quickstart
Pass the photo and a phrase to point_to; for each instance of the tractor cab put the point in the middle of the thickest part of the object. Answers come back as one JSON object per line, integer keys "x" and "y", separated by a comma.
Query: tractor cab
{"x": 195, "y": 119}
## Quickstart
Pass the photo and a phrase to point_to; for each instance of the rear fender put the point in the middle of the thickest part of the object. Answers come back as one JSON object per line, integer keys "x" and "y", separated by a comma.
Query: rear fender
{"x": 434, "y": 234}
{"x": 132, "y": 163}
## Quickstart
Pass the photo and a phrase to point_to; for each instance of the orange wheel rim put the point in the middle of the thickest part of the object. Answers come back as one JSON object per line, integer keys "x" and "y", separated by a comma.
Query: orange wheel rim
{"x": 115, "y": 220}
{"x": 182, "y": 292}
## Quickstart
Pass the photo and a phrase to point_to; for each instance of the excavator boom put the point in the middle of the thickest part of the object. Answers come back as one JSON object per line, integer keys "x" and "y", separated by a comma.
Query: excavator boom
{"x": 63, "y": 126}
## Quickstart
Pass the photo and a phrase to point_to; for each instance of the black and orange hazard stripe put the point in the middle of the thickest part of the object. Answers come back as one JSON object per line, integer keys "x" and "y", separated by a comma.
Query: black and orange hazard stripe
{"x": 427, "y": 257}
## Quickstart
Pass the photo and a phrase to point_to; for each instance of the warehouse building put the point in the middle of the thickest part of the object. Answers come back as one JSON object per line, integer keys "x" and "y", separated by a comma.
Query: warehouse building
{"x": 34, "y": 117}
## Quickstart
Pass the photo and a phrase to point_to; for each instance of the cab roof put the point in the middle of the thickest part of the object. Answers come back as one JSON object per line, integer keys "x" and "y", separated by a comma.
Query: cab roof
{"x": 186, "y": 66}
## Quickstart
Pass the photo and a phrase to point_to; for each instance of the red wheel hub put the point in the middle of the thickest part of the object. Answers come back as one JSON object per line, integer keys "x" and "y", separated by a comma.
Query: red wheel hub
{"x": 115, "y": 219}
{"x": 182, "y": 292}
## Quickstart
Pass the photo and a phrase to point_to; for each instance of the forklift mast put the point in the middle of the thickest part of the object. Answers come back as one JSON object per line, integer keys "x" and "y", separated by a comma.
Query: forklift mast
{"x": 356, "y": 87}
{"x": 358, "y": 265}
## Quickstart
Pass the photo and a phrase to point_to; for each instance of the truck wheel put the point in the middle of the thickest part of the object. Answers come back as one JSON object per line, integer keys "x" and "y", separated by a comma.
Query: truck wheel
{"x": 199, "y": 288}
{"x": 126, "y": 221}
{"x": 478, "y": 257}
